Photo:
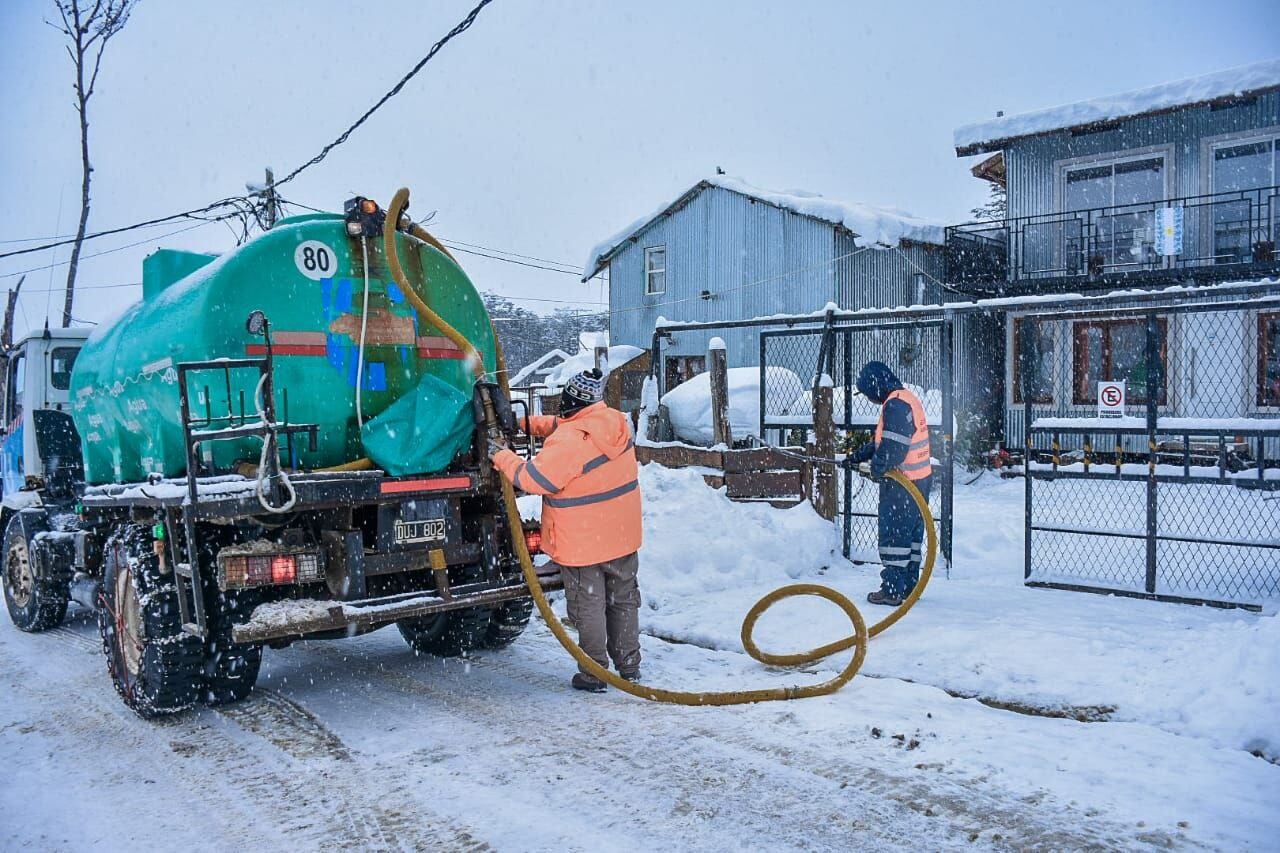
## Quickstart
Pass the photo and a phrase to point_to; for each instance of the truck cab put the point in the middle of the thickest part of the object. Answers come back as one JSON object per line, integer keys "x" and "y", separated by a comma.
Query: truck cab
{"x": 36, "y": 416}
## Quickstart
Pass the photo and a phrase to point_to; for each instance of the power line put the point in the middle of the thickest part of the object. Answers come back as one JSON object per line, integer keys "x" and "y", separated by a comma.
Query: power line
{"x": 200, "y": 224}
{"x": 451, "y": 241}
{"x": 246, "y": 201}
{"x": 461, "y": 27}
{"x": 575, "y": 273}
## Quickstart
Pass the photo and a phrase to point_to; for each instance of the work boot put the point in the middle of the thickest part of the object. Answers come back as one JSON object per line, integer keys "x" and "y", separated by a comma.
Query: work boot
{"x": 885, "y": 598}
{"x": 632, "y": 675}
{"x": 588, "y": 683}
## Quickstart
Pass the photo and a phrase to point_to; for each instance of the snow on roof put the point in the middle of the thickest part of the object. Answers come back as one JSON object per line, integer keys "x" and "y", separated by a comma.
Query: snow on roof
{"x": 1244, "y": 80}
{"x": 539, "y": 364}
{"x": 872, "y": 225}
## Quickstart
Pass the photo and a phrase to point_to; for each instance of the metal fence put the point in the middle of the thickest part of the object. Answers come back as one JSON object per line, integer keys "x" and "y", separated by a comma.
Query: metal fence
{"x": 793, "y": 353}
{"x": 1178, "y": 496}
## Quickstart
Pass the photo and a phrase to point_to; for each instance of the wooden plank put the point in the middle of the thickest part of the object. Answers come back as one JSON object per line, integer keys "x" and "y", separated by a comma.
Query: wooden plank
{"x": 681, "y": 456}
{"x": 760, "y": 459}
{"x": 764, "y": 484}
{"x": 715, "y": 481}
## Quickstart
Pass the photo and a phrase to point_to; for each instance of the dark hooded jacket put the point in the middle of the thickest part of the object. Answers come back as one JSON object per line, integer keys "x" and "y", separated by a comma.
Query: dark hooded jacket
{"x": 876, "y": 382}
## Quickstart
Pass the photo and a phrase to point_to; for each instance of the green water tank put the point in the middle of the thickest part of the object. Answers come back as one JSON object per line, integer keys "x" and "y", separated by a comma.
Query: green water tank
{"x": 308, "y": 276}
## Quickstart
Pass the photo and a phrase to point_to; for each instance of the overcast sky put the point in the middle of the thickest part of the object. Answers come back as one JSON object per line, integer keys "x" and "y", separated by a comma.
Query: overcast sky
{"x": 549, "y": 124}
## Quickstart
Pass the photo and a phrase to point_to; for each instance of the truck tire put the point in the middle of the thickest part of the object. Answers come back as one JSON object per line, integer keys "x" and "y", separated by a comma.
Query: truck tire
{"x": 153, "y": 663}
{"x": 35, "y": 601}
{"x": 452, "y": 633}
{"x": 230, "y": 669}
{"x": 507, "y": 622}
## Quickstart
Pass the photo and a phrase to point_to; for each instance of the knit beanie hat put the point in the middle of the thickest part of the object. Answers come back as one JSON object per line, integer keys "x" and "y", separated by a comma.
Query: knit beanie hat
{"x": 581, "y": 391}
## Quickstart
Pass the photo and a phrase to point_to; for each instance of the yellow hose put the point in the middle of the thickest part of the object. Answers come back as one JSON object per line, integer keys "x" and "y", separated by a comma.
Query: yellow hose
{"x": 857, "y": 641}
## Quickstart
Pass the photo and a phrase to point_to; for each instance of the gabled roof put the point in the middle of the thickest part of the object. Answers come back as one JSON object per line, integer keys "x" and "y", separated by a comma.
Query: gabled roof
{"x": 870, "y": 224}
{"x": 1242, "y": 82}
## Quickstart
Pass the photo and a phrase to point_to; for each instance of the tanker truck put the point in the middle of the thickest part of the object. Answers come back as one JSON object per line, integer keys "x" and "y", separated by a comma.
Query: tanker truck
{"x": 276, "y": 443}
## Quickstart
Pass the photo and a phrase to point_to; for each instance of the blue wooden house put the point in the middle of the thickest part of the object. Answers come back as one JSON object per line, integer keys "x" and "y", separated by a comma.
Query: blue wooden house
{"x": 725, "y": 250}
{"x": 1176, "y": 184}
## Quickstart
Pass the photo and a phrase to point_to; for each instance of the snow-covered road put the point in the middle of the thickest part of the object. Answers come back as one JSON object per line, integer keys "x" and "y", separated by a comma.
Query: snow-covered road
{"x": 360, "y": 744}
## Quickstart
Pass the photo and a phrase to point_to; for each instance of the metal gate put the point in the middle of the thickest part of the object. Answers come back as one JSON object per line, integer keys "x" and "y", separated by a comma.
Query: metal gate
{"x": 1179, "y": 497}
{"x": 917, "y": 349}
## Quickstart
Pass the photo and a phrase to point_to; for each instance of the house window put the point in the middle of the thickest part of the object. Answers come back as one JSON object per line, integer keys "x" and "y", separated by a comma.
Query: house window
{"x": 655, "y": 270}
{"x": 682, "y": 368}
{"x": 1111, "y": 351}
{"x": 1269, "y": 359}
{"x": 1121, "y": 237}
{"x": 1244, "y": 168}
{"x": 1040, "y": 355}
{"x": 61, "y": 360}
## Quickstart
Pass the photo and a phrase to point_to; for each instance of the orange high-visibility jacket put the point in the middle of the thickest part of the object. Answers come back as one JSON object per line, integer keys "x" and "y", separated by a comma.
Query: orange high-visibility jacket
{"x": 917, "y": 464}
{"x": 587, "y": 475}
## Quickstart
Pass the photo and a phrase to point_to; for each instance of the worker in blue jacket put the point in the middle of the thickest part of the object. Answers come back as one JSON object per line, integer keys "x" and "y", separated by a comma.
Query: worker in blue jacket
{"x": 901, "y": 442}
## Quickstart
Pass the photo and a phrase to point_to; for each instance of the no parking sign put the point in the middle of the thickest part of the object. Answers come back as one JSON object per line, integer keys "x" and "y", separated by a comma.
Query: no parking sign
{"x": 1111, "y": 399}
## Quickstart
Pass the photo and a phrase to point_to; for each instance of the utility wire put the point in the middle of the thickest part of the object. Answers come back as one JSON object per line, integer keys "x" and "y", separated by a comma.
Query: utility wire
{"x": 242, "y": 202}
{"x": 108, "y": 252}
{"x": 461, "y": 27}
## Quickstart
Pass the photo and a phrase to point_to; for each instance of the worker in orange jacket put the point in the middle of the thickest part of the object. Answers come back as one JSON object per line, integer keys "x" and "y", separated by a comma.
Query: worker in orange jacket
{"x": 587, "y": 475}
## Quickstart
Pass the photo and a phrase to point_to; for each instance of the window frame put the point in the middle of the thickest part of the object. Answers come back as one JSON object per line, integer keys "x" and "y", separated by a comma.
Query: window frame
{"x": 649, "y": 271}
{"x": 1263, "y": 345}
{"x": 1079, "y": 326}
{"x": 53, "y": 353}
{"x": 1015, "y": 377}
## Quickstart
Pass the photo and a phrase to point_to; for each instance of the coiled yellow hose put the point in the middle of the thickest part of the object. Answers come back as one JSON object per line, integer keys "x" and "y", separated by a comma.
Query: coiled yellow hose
{"x": 857, "y": 641}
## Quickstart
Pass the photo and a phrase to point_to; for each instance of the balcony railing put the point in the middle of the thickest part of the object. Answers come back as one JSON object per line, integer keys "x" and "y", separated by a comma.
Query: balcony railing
{"x": 1208, "y": 236}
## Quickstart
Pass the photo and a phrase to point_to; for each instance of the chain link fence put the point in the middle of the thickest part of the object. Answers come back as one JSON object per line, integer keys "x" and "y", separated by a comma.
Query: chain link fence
{"x": 1151, "y": 440}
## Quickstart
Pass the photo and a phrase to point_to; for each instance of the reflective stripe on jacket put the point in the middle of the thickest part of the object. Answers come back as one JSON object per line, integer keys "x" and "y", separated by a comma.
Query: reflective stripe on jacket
{"x": 917, "y": 464}
{"x": 587, "y": 475}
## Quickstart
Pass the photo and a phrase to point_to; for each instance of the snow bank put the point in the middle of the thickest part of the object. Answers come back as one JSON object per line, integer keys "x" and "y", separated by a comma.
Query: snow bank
{"x": 689, "y": 404}
{"x": 1193, "y": 90}
{"x": 1190, "y": 671}
{"x": 872, "y": 225}
{"x": 618, "y": 355}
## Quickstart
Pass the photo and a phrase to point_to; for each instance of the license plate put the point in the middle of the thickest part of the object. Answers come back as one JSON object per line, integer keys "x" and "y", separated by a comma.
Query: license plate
{"x": 416, "y": 532}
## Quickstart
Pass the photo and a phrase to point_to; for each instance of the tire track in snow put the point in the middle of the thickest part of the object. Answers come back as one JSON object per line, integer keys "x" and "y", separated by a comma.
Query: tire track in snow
{"x": 981, "y": 812}
{"x": 615, "y": 758}
{"x": 318, "y": 800}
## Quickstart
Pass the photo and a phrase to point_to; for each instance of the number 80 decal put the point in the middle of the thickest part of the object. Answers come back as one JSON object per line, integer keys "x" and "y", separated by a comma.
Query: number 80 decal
{"x": 315, "y": 260}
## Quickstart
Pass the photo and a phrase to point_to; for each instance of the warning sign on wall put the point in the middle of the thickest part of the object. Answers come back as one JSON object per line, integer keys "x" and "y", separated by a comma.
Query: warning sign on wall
{"x": 1111, "y": 399}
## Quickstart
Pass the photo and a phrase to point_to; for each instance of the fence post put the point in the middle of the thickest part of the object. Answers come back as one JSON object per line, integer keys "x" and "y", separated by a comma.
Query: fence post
{"x": 719, "y": 367}
{"x": 1154, "y": 381}
{"x": 1022, "y": 328}
{"x": 824, "y": 447}
{"x": 601, "y": 358}
{"x": 948, "y": 439}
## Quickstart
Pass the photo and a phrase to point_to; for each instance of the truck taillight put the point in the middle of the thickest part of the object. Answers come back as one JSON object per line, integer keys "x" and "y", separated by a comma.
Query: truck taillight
{"x": 533, "y": 541}
{"x": 243, "y": 570}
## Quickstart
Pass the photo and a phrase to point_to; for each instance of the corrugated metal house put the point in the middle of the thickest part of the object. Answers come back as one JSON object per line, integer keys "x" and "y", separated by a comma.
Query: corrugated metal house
{"x": 725, "y": 250}
{"x": 1092, "y": 188}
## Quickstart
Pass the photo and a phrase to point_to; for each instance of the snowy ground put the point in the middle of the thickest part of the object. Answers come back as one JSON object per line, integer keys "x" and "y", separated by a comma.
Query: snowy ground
{"x": 360, "y": 744}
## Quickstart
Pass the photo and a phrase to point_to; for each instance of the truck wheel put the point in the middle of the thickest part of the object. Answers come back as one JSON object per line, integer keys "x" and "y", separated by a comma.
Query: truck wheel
{"x": 447, "y": 635}
{"x": 230, "y": 669}
{"x": 35, "y": 602}
{"x": 507, "y": 622}
{"x": 154, "y": 664}
{"x": 453, "y": 633}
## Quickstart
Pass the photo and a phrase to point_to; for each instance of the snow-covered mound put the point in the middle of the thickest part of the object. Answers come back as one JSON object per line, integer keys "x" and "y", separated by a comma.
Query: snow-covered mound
{"x": 689, "y": 404}
{"x": 862, "y": 412}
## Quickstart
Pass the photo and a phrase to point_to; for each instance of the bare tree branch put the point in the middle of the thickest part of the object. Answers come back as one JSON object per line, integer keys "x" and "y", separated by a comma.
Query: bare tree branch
{"x": 87, "y": 34}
